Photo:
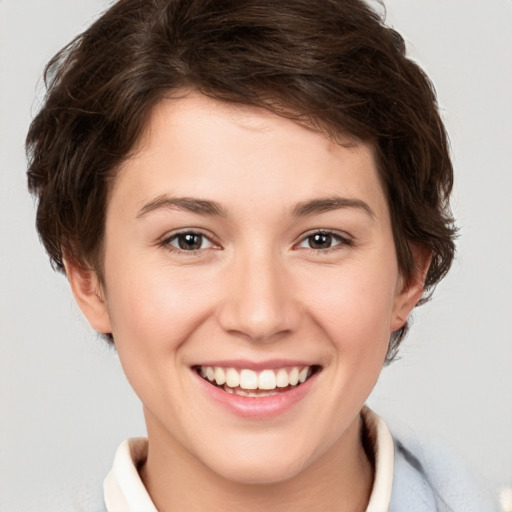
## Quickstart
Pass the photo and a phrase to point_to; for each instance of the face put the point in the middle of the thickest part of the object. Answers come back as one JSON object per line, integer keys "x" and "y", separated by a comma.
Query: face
{"x": 251, "y": 286}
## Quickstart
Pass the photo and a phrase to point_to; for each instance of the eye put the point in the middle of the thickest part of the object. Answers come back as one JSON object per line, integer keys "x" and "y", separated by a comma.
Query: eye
{"x": 323, "y": 240}
{"x": 188, "y": 241}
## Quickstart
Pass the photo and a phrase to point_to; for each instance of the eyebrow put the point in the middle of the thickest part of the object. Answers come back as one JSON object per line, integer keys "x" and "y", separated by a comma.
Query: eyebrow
{"x": 327, "y": 204}
{"x": 207, "y": 207}
{"x": 190, "y": 204}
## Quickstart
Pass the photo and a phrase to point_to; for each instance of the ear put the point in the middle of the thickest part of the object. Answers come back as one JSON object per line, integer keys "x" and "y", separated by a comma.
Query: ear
{"x": 411, "y": 292}
{"x": 89, "y": 295}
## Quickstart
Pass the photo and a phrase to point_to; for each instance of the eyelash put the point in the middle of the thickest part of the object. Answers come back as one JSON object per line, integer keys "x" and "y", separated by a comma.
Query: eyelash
{"x": 341, "y": 240}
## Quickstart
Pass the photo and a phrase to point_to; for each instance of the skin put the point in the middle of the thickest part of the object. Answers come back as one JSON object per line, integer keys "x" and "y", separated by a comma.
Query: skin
{"x": 257, "y": 289}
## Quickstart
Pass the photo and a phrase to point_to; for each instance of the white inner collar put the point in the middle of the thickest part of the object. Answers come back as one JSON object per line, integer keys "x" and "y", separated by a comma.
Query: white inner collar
{"x": 125, "y": 492}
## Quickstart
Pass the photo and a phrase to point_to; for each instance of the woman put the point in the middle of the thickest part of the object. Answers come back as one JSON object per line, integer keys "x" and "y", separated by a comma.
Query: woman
{"x": 248, "y": 200}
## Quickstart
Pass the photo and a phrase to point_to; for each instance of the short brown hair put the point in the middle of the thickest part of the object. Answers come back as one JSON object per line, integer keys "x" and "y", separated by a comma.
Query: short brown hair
{"x": 331, "y": 65}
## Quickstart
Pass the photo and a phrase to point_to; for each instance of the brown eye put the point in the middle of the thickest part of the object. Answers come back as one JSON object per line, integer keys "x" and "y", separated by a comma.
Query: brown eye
{"x": 323, "y": 240}
{"x": 320, "y": 241}
{"x": 189, "y": 241}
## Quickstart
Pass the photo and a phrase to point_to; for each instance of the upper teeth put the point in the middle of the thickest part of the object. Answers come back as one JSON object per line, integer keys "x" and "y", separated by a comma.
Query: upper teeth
{"x": 249, "y": 379}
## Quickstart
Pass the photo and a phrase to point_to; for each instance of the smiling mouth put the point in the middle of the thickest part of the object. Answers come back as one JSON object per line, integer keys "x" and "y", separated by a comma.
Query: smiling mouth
{"x": 249, "y": 383}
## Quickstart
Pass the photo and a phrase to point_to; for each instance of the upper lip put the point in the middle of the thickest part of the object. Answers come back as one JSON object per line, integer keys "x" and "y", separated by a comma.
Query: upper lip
{"x": 269, "y": 364}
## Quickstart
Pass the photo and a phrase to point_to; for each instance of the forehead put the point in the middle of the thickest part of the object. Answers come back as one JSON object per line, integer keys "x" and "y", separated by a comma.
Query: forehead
{"x": 193, "y": 111}
{"x": 197, "y": 146}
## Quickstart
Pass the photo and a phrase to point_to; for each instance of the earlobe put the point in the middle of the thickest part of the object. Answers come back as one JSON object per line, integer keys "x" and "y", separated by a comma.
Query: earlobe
{"x": 89, "y": 295}
{"x": 412, "y": 291}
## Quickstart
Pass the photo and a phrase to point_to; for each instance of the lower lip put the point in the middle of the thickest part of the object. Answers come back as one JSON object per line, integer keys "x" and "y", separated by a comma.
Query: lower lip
{"x": 264, "y": 407}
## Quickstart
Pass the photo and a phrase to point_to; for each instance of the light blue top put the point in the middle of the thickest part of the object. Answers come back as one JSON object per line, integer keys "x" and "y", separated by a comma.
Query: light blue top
{"x": 427, "y": 478}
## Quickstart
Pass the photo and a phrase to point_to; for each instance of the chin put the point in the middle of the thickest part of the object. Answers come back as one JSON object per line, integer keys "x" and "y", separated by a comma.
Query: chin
{"x": 259, "y": 465}
{"x": 258, "y": 472}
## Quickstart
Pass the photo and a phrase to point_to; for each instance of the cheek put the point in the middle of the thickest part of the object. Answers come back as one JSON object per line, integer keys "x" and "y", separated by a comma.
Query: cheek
{"x": 351, "y": 308}
{"x": 152, "y": 316}
{"x": 153, "y": 305}
{"x": 355, "y": 308}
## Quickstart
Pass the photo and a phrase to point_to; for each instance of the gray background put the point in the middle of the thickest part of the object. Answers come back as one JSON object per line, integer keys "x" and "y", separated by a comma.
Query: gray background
{"x": 65, "y": 405}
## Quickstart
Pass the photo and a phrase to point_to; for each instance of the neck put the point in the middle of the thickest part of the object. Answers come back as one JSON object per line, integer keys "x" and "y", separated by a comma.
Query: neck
{"x": 341, "y": 479}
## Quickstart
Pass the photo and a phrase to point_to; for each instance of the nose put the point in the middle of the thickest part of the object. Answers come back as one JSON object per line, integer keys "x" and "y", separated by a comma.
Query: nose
{"x": 259, "y": 302}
